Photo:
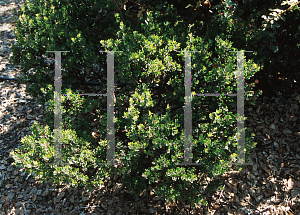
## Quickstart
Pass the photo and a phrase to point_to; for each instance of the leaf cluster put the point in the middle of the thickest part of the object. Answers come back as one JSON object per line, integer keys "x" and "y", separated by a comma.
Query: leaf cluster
{"x": 152, "y": 113}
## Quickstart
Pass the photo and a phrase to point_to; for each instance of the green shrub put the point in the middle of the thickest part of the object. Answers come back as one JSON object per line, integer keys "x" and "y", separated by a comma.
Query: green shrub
{"x": 78, "y": 26}
{"x": 153, "y": 118}
{"x": 61, "y": 25}
{"x": 274, "y": 43}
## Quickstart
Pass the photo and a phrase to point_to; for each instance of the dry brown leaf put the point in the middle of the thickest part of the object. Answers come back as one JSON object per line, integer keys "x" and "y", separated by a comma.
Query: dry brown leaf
{"x": 17, "y": 189}
{"x": 267, "y": 192}
{"x": 258, "y": 110}
{"x": 239, "y": 212}
{"x": 297, "y": 97}
{"x": 266, "y": 118}
{"x": 273, "y": 126}
{"x": 297, "y": 133}
{"x": 33, "y": 198}
{"x": 276, "y": 118}
{"x": 264, "y": 167}
{"x": 260, "y": 127}
{"x": 215, "y": 206}
{"x": 291, "y": 183}
{"x": 287, "y": 131}
{"x": 232, "y": 188}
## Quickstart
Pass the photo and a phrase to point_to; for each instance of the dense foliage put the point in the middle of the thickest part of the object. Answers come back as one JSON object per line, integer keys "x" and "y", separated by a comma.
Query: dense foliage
{"x": 149, "y": 116}
{"x": 51, "y": 25}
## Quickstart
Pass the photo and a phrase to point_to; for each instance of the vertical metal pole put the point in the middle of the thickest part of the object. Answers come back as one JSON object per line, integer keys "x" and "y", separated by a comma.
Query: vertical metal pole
{"x": 57, "y": 110}
{"x": 240, "y": 108}
{"x": 110, "y": 109}
{"x": 188, "y": 138}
